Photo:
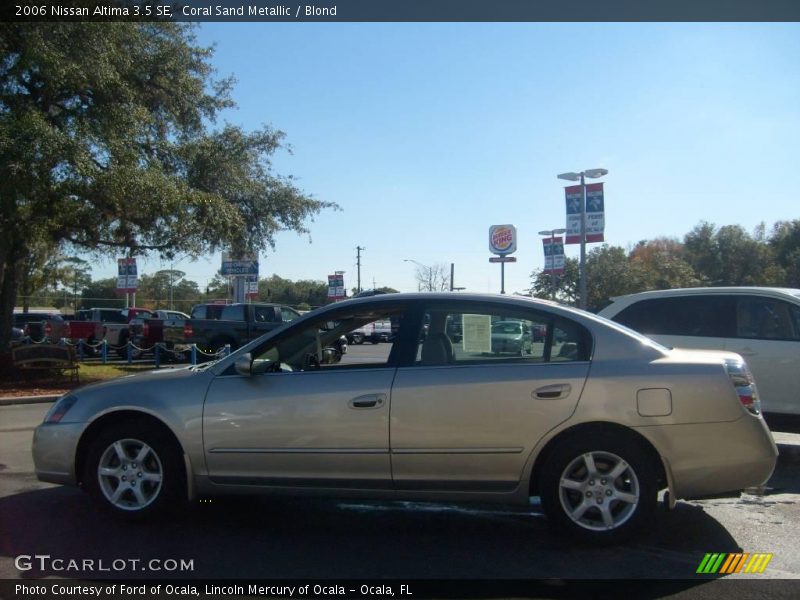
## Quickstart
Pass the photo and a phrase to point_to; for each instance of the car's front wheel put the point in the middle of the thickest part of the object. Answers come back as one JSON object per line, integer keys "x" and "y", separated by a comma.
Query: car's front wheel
{"x": 601, "y": 489}
{"x": 135, "y": 470}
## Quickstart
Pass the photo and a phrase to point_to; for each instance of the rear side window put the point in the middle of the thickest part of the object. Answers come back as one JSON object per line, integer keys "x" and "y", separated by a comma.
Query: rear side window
{"x": 233, "y": 312}
{"x": 696, "y": 315}
{"x": 767, "y": 319}
{"x": 497, "y": 335}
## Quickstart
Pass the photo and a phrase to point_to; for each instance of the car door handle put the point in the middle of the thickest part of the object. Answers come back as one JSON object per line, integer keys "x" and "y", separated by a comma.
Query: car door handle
{"x": 368, "y": 401}
{"x": 552, "y": 392}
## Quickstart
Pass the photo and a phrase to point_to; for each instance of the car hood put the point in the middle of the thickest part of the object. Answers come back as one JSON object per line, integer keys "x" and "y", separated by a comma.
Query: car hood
{"x": 161, "y": 392}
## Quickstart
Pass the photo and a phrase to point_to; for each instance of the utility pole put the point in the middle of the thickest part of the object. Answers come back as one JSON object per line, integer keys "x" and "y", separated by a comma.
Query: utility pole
{"x": 358, "y": 265}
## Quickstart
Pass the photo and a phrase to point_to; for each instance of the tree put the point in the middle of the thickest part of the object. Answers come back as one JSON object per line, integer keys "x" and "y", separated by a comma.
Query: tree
{"x": 566, "y": 283}
{"x": 106, "y": 146}
{"x": 434, "y": 278}
{"x": 659, "y": 265}
{"x": 166, "y": 288}
{"x": 294, "y": 293}
{"x": 785, "y": 244}
{"x": 101, "y": 293}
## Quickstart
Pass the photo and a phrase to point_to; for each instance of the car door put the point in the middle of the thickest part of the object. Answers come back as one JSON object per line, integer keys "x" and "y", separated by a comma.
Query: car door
{"x": 465, "y": 414}
{"x": 304, "y": 425}
{"x": 768, "y": 338}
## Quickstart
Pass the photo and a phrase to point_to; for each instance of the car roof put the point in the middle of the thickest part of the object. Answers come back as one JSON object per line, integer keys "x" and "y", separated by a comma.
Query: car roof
{"x": 771, "y": 291}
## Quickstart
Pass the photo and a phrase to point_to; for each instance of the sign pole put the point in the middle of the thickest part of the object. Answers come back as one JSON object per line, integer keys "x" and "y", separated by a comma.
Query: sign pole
{"x": 582, "y": 283}
{"x": 502, "y": 277}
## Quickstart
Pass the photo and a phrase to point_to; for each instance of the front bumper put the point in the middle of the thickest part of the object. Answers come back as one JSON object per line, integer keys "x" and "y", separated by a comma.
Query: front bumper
{"x": 54, "y": 451}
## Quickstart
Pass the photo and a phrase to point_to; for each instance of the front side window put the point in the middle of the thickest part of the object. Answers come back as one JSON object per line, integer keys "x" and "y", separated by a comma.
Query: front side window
{"x": 322, "y": 344}
{"x": 695, "y": 315}
{"x": 264, "y": 314}
{"x": 288, "y": 314}
{"x": 453, "y": 337}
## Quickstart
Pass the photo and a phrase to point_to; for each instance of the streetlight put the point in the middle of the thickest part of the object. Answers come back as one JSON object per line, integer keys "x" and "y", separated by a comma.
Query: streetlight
{"x": 426, "y": 269}
{"x": 591, "y": 174}
{"x": 552, "y": 233}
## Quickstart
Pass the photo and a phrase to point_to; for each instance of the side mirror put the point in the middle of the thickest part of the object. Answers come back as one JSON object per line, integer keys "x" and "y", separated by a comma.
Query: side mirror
{"x": 244, "y": 364}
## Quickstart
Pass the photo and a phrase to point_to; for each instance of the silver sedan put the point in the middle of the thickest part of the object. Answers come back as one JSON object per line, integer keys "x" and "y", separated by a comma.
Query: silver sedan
{"x": 595, "y": 419}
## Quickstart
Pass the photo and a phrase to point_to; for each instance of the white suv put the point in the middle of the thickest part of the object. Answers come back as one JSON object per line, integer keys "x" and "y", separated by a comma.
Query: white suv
{"x": 760, "y": 324}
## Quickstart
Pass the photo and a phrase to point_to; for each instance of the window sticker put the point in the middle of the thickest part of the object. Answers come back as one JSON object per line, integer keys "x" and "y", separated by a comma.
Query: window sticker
{"x": 477, "y": 333}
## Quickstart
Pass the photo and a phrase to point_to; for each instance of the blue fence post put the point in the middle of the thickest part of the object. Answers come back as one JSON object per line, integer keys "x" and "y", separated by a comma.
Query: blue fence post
{"x": 129, "y": 347}
{"x": 194, "y": 354}
{"x": 104, "y": 351}
{"x": 80, "y": 349}
{"x": 157, "y": 354}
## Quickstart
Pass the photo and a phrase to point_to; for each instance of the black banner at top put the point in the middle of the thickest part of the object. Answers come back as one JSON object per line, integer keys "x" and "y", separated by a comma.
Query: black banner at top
{"x": 402, "y": 10}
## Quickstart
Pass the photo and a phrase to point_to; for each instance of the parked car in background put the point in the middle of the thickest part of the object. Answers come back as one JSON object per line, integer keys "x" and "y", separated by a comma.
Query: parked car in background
{"x": 760, "y": 324}
{"x": 235, "y": 325}
{"x": 513, "y": 337}
{"x": 596, "y": 432}
{"x": 42, "y": 325}
{"x": 375, "y": 332}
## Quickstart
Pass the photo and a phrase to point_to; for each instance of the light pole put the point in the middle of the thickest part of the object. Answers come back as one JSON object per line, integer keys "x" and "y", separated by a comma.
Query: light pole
{"x": 425, "y": 268}
{"x": 552, "y": 233}
{"x": 591, "y": 174}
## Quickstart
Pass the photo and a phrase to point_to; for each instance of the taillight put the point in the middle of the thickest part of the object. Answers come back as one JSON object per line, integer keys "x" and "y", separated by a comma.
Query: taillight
{"x": 187, "y": 330}
{"x": 48, "y": 329}
{"x": 744, "y": 384}
{"x": 145, "y": 330}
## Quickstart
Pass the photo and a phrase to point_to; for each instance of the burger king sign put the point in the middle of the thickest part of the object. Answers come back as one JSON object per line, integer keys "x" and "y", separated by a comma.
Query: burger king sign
{"x": 502, "y": 239}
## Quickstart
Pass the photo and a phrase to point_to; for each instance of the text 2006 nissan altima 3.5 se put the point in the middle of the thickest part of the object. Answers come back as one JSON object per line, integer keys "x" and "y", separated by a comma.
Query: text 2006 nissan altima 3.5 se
{"x": 595, "y": 418}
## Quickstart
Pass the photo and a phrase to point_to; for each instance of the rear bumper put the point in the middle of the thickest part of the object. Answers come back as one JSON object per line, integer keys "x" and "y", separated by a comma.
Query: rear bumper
{"x": 715, "y": 459}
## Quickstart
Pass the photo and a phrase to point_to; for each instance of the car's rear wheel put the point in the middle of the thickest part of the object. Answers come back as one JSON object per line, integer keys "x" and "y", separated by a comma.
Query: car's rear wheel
{"x": 600, "y": 489}
{"x": 134, "y": 470}
{"x": 357, "y": 338}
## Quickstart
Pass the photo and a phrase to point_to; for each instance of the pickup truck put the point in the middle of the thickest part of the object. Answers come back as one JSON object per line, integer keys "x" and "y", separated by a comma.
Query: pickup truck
{"x": 110, "y": 324}
{"x": 378, "y": 331}
{"x": 147, "y": 332}
{"x": 212, "y": 326}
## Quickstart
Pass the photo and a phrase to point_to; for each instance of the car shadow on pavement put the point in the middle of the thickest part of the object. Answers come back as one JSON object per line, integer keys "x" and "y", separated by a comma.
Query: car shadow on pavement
{"x": 308, "y": 538}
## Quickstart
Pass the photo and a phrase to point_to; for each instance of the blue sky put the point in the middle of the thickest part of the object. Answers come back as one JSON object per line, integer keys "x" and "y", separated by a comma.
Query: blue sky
{"x": 427, "y": 134}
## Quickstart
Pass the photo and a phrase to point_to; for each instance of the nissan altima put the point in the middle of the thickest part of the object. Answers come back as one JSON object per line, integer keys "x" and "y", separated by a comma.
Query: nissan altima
{"x": 595, "y": 419}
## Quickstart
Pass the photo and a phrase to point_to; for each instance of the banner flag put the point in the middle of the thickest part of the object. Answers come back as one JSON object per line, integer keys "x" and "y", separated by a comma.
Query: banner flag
{"x": 336, "y": 289}
{"x": 595, "y": 212}
{"x": 127, "y": 279}
{"x": 554, "y": 259}
{"x": 574, "y": 200}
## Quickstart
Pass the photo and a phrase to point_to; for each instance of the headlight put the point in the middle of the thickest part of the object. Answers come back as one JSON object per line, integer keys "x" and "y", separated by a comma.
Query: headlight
{"x": 59, "y": 409}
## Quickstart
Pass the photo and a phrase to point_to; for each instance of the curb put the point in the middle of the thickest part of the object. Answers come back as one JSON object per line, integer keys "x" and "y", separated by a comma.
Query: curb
{"x": 13, "y": 400}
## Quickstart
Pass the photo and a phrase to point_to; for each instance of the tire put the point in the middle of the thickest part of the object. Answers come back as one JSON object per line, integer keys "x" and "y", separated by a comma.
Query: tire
{"x": 592, "y": 507}
{"x": 375, "y": 339}
{"x": 357, "y": 338}
{"x": 159, "y": 473}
